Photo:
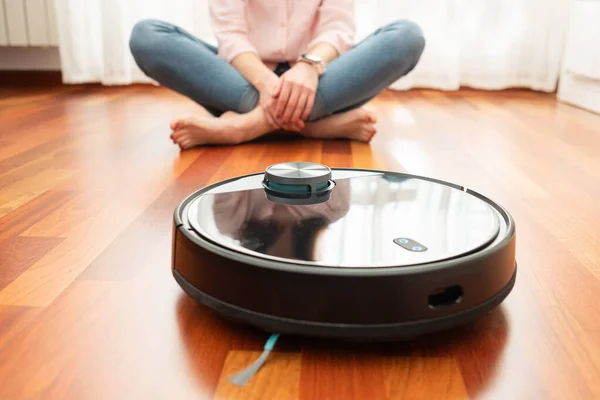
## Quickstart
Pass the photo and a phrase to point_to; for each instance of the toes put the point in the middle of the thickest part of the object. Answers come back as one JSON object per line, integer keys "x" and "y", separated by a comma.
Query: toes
{"x": 181, "y": 122}
{"x": 373, "y": 132}
{"x": 176, "y": 134}
{"x": 179, "y": 136}
{"x": 368, "y": 134}
{"x": 179, "y": 133}
{"x": 178, "y": 123}
{"x": 176, "y": 139}
{"x": 372, "y": 117}
{"x": 185, "y": 144}
{"x": 181, "y": 143}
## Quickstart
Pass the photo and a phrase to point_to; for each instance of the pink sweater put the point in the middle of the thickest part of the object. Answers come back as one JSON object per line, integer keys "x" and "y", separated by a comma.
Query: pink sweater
{"x": 281, "y": 30}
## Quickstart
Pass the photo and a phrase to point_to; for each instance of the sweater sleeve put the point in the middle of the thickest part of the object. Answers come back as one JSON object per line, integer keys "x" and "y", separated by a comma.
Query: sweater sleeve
{"x": 336, "y": 24}
{"x": 228, "y": 19}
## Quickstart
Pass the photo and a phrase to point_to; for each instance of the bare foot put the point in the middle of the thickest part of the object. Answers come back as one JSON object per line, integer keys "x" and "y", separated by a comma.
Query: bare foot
{"x": 357, "y": 124}
{"x": 190, "y": 131}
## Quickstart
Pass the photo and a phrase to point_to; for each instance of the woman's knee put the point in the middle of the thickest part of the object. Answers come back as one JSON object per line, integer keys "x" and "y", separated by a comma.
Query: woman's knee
{"x": 408, "y": 39}
{"x": 144, "y": 38}
{"x": 141, "y": 35}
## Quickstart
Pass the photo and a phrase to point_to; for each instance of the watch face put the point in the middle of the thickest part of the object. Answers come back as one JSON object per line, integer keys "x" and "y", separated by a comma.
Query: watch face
{"x": 314, "y": 59}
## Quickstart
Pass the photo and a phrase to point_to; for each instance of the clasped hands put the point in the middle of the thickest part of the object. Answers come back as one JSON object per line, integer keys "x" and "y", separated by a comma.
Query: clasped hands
{"x": 288, "y": 100}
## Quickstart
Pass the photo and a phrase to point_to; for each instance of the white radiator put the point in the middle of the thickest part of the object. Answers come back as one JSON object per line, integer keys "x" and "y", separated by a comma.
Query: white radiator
{"x": 28, "y": 23}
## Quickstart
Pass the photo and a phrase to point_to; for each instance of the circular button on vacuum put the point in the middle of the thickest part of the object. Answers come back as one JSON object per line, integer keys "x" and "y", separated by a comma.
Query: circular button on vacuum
{"x": 298, "y": 177}
{"x": 298, "y": 182}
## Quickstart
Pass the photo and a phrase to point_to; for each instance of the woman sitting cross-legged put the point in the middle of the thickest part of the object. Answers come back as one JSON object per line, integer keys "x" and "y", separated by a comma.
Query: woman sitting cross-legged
{"x": 280, "y": 65}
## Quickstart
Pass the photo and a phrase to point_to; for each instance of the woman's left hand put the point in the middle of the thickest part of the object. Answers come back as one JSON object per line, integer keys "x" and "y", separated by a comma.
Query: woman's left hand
{"x": 296, "y": 94}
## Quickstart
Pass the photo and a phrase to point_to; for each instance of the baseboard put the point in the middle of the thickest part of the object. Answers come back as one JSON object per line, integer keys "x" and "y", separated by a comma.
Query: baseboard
{"x": 30, "y": 78}
{"x": 30, "y": 59}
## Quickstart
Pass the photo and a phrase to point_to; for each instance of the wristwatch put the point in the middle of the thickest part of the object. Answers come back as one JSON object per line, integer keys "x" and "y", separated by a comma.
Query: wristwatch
{"x": 315, "y": 61}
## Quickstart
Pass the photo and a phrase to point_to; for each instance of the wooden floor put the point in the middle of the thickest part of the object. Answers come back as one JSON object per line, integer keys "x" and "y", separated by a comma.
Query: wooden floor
{"x": 89, "y": 310}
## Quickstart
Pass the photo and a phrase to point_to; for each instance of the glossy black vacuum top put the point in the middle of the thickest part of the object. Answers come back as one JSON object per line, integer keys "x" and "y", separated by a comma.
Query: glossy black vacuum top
{"x": 369, "y": 219}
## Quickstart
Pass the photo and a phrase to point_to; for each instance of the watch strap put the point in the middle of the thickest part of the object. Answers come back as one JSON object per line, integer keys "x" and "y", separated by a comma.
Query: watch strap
{"x": 319, "y": 65}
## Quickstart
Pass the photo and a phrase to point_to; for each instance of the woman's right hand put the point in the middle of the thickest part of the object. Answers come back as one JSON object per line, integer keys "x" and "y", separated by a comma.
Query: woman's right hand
{"x": 267, "y": 89}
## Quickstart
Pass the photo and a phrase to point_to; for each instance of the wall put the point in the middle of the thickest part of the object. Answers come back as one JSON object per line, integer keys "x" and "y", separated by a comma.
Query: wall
{"x": 580, "y": 78}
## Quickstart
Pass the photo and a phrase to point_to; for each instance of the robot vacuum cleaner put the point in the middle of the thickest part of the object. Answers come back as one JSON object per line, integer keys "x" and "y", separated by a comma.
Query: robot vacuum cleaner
{"x": 354, "y": 254}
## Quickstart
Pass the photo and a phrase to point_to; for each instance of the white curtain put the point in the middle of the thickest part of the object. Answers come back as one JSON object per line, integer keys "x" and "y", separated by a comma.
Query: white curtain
{"x": 485, "y": 44}
{"x": 94, "y": 35}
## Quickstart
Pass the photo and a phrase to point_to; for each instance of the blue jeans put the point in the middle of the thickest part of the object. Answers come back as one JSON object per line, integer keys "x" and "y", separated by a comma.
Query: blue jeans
{"x": 179, "y": 61}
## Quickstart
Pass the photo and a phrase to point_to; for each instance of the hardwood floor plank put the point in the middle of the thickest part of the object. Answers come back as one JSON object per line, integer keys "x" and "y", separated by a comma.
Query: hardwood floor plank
{"x": 510, "y": 176}
{"x": 577, "y": 230}
{"x": 122, "y": 258}
{"x": 32, "y": 187}
{"x": 11, "y": 164}
{"x": 279, "y": 378}
{"x": 83, "y": 243}
{"x": 108, "y": 193}
{"x": 364, "y": 157}
{"x": 94, "y": 340}
{"x": 561, "y": 273}
{"x": 335, "y": 375}
{"x": 207, "y": 340}
{"x": 85, "y": 112}
{"x": 561, "y": 167}
{"x": 20, "y": 253}
{"x": 54, "y": 339}
{"x": 483, "y": 347}
{"x": 31, "y": 139}
{"x": 13, "y": 321}
{"x": 50, "y": 162}
{"x": 24, "y": 108}
{"x": 13, "y": 97}
{"x": 17, "y": 221}
{"x": 337, "y": 154}
{"x": 423, "y": 378}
